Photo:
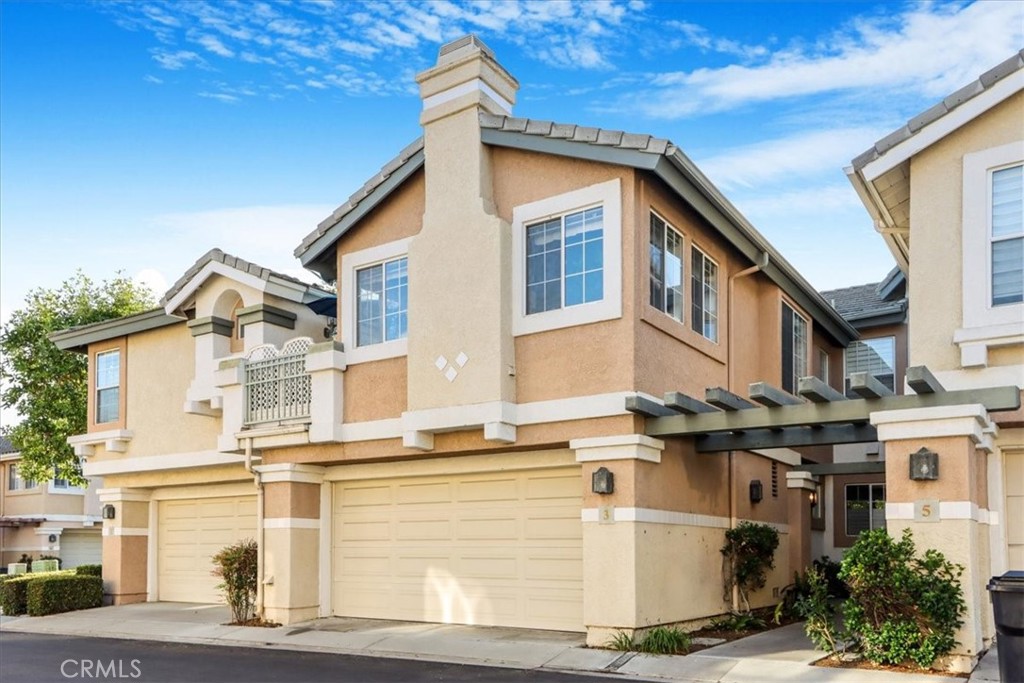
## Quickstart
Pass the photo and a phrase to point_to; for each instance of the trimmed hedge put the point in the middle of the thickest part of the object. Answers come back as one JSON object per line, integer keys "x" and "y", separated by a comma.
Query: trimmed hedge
{"x": 89, "y": 570}
{"x": 13, "y": 596}
{"x": 57, "y": 593}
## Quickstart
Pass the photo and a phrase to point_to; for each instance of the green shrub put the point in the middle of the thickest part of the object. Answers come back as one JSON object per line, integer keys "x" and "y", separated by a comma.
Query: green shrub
{"x": 749, "y": 553}
{"x": 13, "y": 594}
{"x": 738, "y": 621}
{"x": 902, "y": 607}
{"x": 621, "y": 641}
{"x": 56, "y": 593}
{"x": 825, "y": 569}
{"x": 817, "y": 607}
{"x": 89, "y": 570}
{"x": 237, "y": 566}
{"x": 665, "y": 640}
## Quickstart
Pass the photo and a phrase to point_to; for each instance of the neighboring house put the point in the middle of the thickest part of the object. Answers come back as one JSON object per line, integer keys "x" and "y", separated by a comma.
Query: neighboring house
{"x": 855, "y": 493}
{"x": 949, "y": 183}
{"x": 46, "y": 518}
{"x": 506, "y": 288}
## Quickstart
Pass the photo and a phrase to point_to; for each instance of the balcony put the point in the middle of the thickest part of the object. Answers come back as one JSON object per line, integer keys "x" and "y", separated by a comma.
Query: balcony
{"x": 281, "y": 397}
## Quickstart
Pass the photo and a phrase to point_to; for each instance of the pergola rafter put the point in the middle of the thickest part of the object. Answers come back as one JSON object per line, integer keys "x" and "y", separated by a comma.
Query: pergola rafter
{"x": 820, "y": 415}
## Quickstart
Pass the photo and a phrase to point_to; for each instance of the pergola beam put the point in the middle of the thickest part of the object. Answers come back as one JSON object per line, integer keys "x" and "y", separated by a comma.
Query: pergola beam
{"x": 726, "y": 400}
{"x": 641, "y": 405}
{"x": 866, "y": 385}
{"x": 687, "y": 404}
{"x": 813, "y": 389}
{"x": 788, "y": 437}
{"x": 771, "y": 397}
{"x": 922, "y": 381}
{"x": 835, "y": 412}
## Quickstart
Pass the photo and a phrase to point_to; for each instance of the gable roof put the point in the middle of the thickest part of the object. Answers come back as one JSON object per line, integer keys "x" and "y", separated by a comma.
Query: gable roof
{"x": 6, "y": 446}
{"x": 264, "y": 279}
{"x": 881, "y": 174}
{"x": 870, "y": 305}
{"x": 639, "y": 151}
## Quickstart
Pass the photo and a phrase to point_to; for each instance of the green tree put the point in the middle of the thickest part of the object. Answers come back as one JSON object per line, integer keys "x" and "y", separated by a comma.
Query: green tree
{"x": 47, "y": 386}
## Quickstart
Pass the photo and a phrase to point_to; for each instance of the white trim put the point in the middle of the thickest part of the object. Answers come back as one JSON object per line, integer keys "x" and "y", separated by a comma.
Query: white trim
{"x": 125, "y": 531}
{"x": 188, "y": 492}
{"x": 944, "y": 125}
{"x": 786, "y": 456}
{"x": 68, "y": 490}
{"x": 978, "y": 311}
{"x": 284, "y": 289}
{"x": 5, "y": 457}
{"x": 151, "y": 463}
{"x": 656, "y": 516}
{"x": 325, "y": 551}
{"x": 575, "y": 408}
{"x": 114, "y": 440}
{"x": 350, "y": 263}
{"x": 290, "y": 472}
{"x": 608, "y": 195}
{"x": 290, "y": 523}
{"x": 948, "y": 510}
{"x": 801, "y": 480}
{"x": 153, "y": 556}
{"x": 970, "y": 420}
{"x": 626, "y": 447}
{"x": 475, "y": 85}
{"x": 980, "y": 378}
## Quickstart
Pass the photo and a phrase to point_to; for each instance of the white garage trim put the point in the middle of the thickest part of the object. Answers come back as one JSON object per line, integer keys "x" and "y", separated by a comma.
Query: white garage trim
{"x": 290, "y": 523}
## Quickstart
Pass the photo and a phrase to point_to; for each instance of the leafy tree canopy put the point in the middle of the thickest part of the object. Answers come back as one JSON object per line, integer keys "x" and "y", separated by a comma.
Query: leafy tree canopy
{"x": 47, "y": 386}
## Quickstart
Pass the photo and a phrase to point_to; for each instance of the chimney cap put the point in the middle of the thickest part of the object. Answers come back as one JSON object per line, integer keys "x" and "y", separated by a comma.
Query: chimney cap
{"x": 451, "y": 51}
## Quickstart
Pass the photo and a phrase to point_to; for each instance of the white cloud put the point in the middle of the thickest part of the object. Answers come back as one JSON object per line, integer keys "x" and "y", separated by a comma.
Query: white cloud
{"x": 173, "y": 61}
{"x": 220, "y": 96}
{"x": 152, "y": 278}
{"x": 152, "y": 79}
{"x": 213, "y": 44}
{"x": 316, "y": 84}
{"x": 931, "y": 49}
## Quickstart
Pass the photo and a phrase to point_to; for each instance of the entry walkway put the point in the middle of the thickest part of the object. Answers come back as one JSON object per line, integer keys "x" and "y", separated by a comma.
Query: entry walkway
{"x": 783, "y": 654}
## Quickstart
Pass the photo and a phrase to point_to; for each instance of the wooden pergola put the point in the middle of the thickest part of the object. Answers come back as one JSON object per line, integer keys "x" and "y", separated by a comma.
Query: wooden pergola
{"x": 818, "y": 416}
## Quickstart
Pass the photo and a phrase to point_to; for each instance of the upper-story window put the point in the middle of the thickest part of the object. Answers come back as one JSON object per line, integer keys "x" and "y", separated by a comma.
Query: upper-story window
{"x": 59, "y": 483}
{"x": 794, "y": 347}
{"x": 13, "y": 480}
{"x": 382, "y": 302}
{"x": 565, "y": 261}
{"x": 666, "y": 250}
{"x": 1007, "y": 224}
{"x": 876, "y": 356}
{"x": 822, "y": 366}
{"x": 108, "y": 380}
{"x": 704, "y": 316}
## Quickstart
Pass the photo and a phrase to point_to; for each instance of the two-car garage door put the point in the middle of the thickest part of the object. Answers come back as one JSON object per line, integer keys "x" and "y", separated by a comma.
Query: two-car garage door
{"x": 189, "y": 534}
{"x": 501, "y": 548}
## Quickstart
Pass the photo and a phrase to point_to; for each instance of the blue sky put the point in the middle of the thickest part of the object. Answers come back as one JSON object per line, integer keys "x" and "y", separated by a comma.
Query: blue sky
{"x": 136, "y": 135}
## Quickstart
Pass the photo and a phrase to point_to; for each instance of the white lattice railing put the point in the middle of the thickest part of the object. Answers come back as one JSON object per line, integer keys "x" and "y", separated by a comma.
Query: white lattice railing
{"x": 277, "y": 387}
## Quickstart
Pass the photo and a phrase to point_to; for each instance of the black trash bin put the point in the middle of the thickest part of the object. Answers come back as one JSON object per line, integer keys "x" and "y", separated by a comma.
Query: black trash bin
{"x": 1007, "y": 594}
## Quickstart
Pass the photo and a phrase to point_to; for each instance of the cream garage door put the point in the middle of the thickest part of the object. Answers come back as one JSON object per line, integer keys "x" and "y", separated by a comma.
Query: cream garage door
{"x": 190, "y": 533}
{"x": 1014, "y": 483}
{"x": 501, "y": 548}
{"x": 80, "y": 547}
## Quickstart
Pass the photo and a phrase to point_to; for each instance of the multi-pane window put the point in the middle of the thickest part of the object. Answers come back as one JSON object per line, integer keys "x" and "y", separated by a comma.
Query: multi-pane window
{"x": 823, "y": 365}
{"x": 865, "y": 508}
{"x": 704, "y": 316}
{"x": 108, "y": 390}
{"x": 382, "y": 302}
{"x": 876, "y": 356}
{"x": 666, "y": 248}
{"x": 59, "y": 483}
{"x": 565, "y": 261}
{"x": 1007, "y": 222}
{"x": 13, "y": 480}
{"x": 794, "y": 348}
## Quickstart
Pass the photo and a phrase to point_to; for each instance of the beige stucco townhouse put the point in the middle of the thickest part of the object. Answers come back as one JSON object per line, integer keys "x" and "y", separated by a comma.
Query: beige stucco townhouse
{"x": 950, "y": 183}
{"x": 513, "y": 298}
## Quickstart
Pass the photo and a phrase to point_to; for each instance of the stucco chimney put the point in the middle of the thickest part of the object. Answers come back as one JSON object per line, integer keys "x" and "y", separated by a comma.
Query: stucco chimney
{"x": 460, "y": 339}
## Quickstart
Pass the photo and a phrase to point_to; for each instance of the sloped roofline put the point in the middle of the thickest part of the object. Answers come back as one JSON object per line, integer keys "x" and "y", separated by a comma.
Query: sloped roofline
{"x": 644, "y": 152}
{"x": 78, "y": 338}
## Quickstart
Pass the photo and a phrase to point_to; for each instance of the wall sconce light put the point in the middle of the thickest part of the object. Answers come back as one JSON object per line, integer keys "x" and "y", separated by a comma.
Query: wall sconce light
{"x": 814, "y": 499}
{"x": 108, "y": 511}
{"x": 756, "y": 491}
{"x": 924, "y": 465}
{"x": 602, "y": 481}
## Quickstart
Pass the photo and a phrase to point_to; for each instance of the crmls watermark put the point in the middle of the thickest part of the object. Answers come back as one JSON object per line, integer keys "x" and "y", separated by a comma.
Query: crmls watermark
{"x": 98, "y": 668}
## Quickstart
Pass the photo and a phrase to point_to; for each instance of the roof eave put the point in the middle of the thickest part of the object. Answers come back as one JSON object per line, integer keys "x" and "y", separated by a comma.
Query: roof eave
{"x": 77, "y": 339}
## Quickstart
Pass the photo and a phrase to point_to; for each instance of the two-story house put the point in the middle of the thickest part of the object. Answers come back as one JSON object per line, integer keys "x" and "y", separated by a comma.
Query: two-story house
{"x": 949, "y": 183}
{"x": 51, "y": 518}
{"x": 458, "y": 438}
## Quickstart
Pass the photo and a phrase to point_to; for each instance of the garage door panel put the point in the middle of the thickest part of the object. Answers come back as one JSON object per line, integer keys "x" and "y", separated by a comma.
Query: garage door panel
{"x": 501, "y": 549}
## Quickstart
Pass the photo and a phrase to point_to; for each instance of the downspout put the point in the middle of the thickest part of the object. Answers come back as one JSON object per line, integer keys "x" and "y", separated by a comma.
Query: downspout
{"x": 733, "y": 503}
{"x": 258, "y": 480}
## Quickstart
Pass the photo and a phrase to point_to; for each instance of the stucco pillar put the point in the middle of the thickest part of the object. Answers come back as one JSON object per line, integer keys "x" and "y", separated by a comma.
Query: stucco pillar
{"x": 291, "y": 542}
{"x": 266, "y": 324}
{"x": 230, "y": 379}
{"x": 325, "y": 363}
{"x": 950, "y": 512}
{"x": 799, "y": 488}
{"x": 126, "y": 545}
{"x": 212, "y": 341}
{"x": 614, "y": 587}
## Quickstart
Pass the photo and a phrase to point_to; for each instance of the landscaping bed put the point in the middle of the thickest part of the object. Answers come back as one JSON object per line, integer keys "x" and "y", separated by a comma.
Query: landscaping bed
{"x": 833, "y": 662}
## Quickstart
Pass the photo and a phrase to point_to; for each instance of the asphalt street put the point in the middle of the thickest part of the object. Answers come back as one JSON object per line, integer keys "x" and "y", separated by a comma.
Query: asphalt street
{"x": 31, "y": 658}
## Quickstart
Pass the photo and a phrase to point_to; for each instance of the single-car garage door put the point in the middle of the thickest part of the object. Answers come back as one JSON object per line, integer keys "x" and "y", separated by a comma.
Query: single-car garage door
{"x": 190, "y": 533}
{"x": 1014, "y": 463}
{"x": 80, "y": 547}
{"x": 501, "y": 548}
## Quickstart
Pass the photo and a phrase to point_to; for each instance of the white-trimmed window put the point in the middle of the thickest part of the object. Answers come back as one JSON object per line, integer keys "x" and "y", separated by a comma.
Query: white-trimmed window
{"x": 13, "y": 480}
{"x": 877, "y": 356}
{"x": 794, "y": 347}
{"x": 108, "y": 389}
{"x": 382, "y": 296}
{"x": 373, "y": 287}
{"x": 704, "y": 290}
{"x": 59, "y": 483}
{"x": 865, "y": 508}
{"x": 567, "y": 259}
{"x": 666, "y": 255}
{"x": 1006, "y": 222}
{"x": 823, "y": 365}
